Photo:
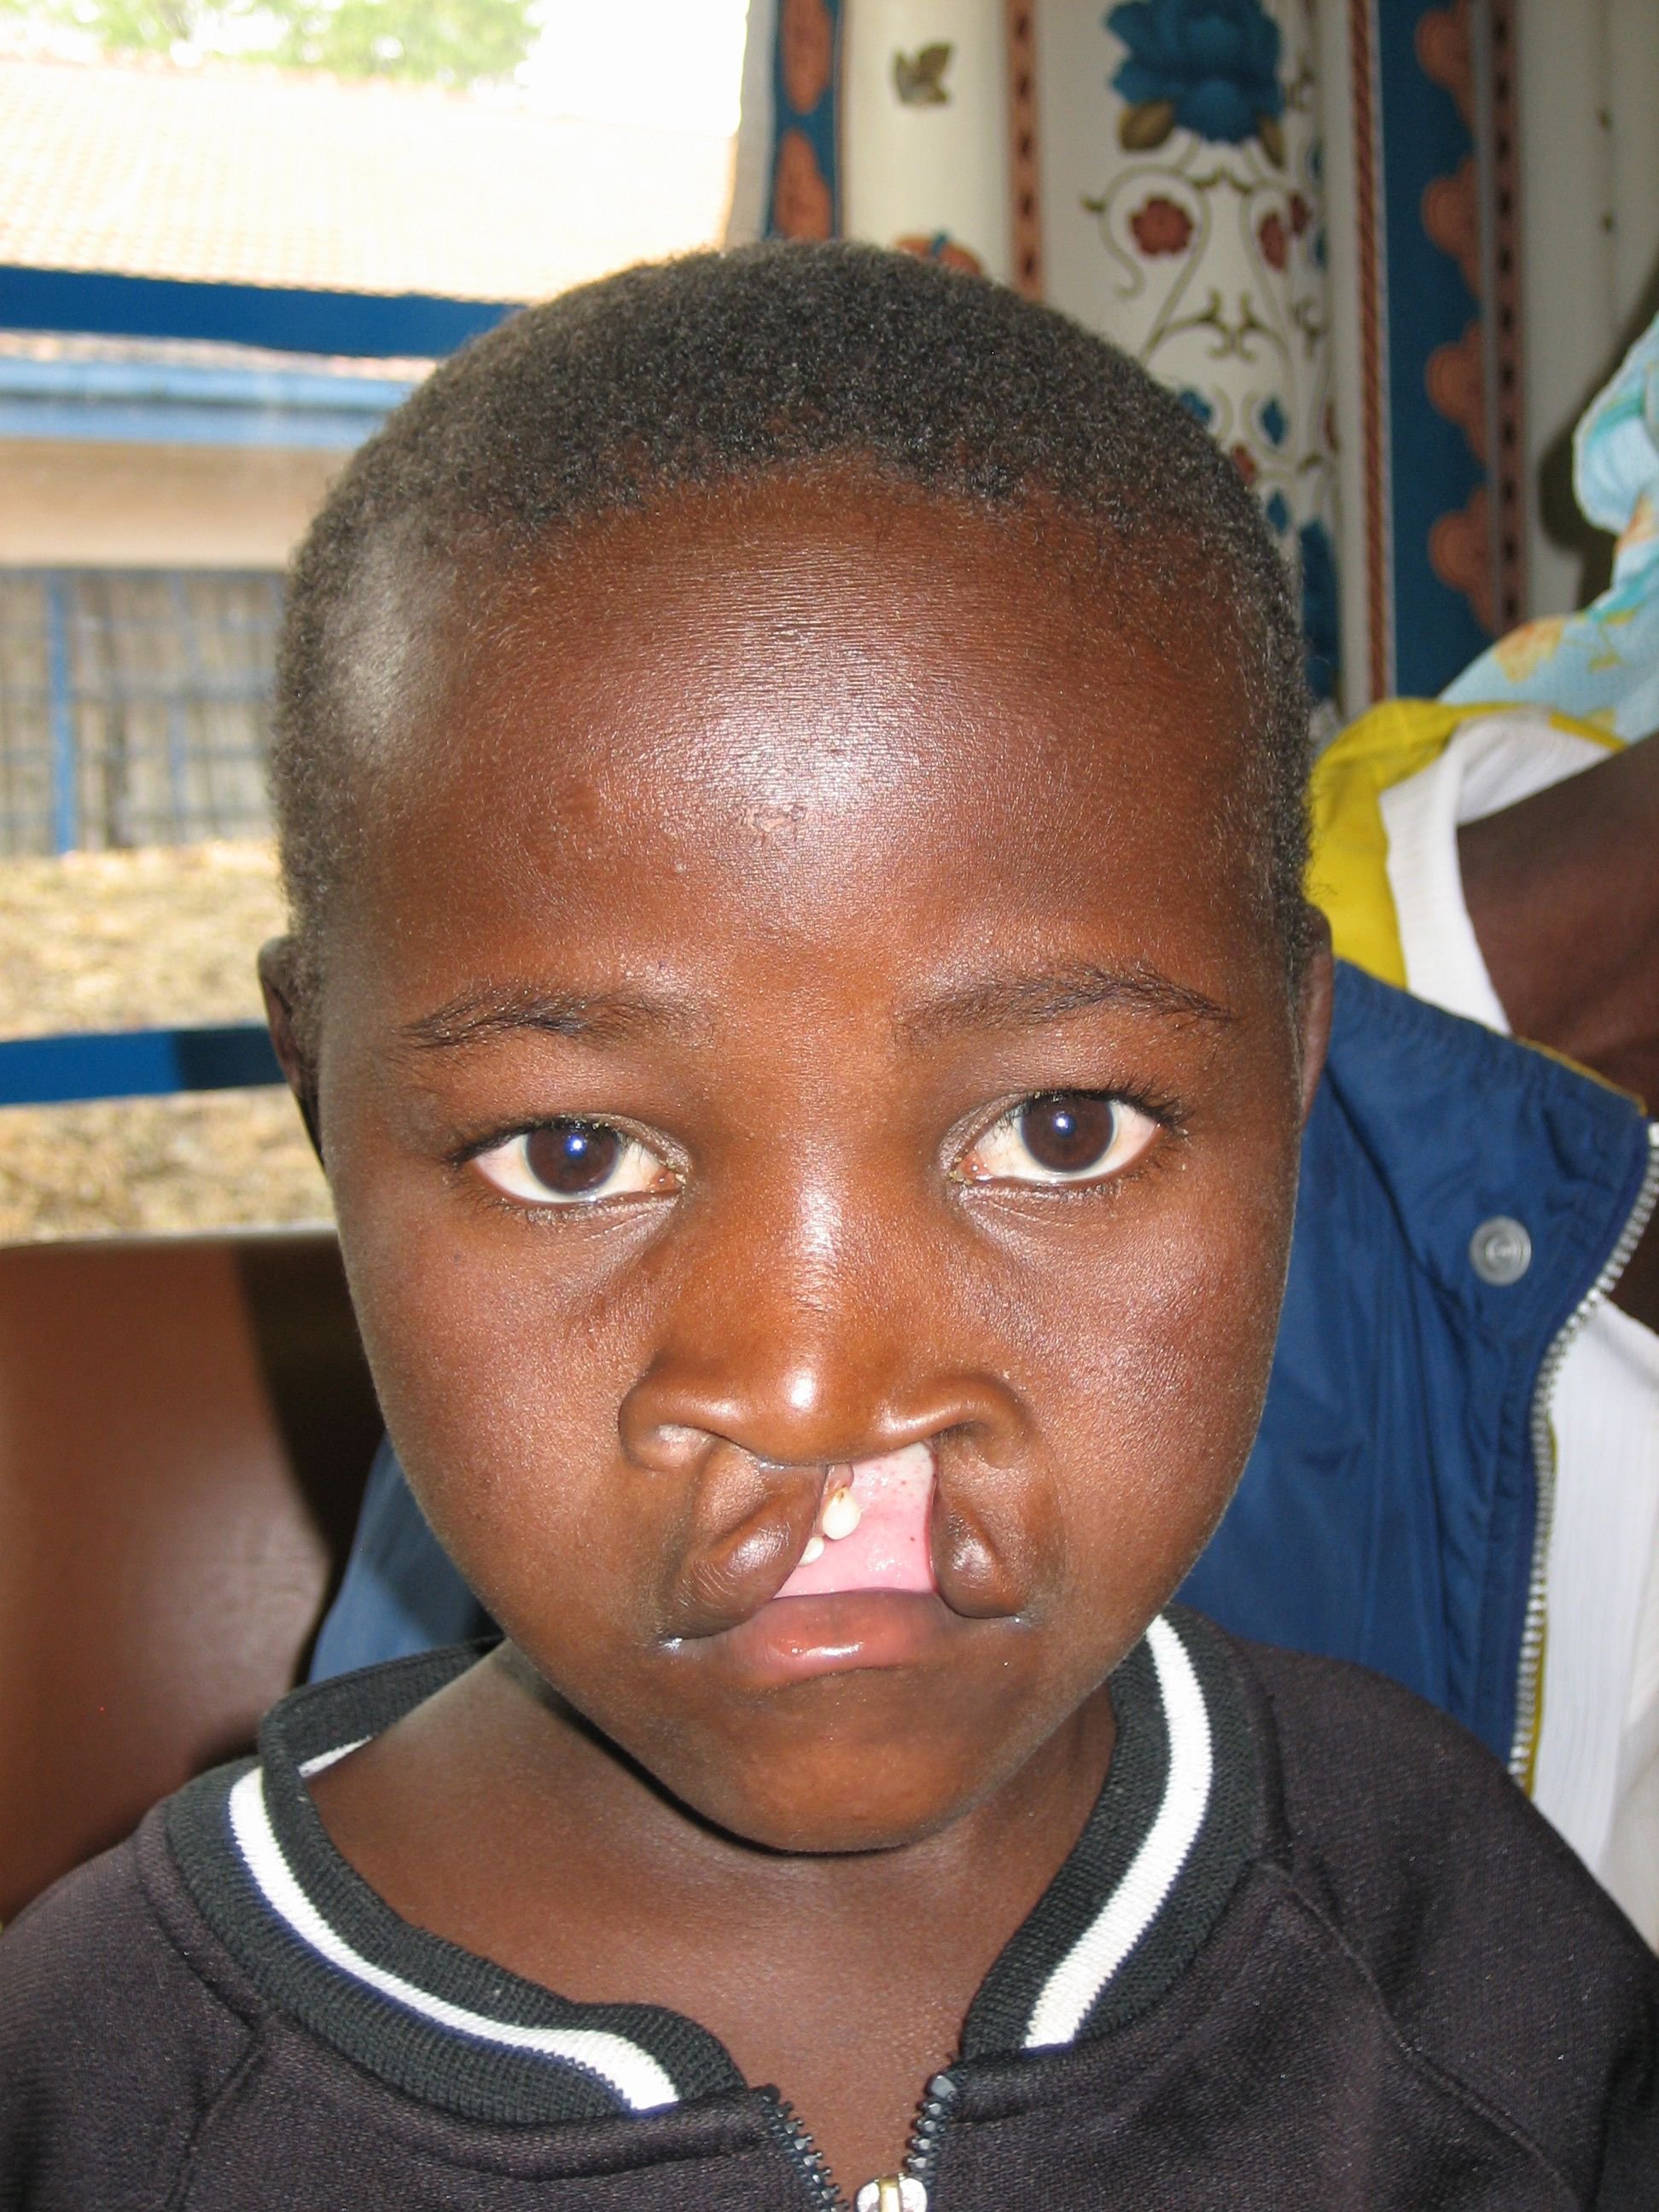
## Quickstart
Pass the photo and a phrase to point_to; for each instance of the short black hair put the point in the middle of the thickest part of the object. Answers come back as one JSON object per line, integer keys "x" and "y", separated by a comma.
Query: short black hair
{"x": 719, "y": 368}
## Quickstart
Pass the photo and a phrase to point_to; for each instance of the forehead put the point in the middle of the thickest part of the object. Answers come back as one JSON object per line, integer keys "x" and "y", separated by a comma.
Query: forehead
{"x": 804, "y": 704}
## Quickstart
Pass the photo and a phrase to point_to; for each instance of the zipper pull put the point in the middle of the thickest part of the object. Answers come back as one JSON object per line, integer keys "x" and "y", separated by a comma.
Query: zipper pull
{"x": 902, "y": 2192}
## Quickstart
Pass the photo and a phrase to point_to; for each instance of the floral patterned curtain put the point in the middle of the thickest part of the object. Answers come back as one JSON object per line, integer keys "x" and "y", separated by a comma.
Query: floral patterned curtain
{"x": 1151, "y": 167}
{"x": 1301, "y": 215}
{"x": 1182, "y": 191}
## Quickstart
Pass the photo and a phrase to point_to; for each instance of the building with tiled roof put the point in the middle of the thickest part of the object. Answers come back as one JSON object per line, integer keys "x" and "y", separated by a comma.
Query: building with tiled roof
{"x": 260, "y": 176}
{"x": 152, "y": 484}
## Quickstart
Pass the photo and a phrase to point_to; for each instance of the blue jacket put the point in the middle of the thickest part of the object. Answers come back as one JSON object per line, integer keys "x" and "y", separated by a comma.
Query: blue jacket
{"x": 1390, "y": 1510}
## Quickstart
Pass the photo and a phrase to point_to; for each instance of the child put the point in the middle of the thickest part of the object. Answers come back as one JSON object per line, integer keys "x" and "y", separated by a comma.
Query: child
{"x": 791, "y": 786}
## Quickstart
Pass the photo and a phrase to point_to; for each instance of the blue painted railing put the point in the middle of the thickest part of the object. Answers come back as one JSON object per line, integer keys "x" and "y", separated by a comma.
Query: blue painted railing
{"x": 417, "y": 324}
{"x": 172, "y": 403}
{"x": 63, "y": 1071}
{"x": 65, "y": 810}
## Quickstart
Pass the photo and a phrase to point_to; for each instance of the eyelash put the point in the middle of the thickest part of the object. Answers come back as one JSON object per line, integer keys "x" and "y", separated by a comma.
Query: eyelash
{"x": 476, "y": 1148}
{"x": 1142, "y": 1098}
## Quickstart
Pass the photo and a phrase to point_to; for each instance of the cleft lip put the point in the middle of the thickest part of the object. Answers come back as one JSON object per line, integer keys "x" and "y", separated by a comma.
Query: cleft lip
{"x": 873, "y": 1530}
{"x": 756, "y": 1530}
{"x": 746, "y": 1524}
{"x": 936, "y": 1552}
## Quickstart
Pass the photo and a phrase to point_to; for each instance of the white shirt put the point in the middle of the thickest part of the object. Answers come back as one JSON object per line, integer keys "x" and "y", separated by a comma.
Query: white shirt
{"x": 1596, "y": 1777}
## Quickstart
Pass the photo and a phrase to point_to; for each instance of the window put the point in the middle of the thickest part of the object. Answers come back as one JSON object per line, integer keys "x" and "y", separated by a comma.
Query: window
{"x": 134, "y": 707}
{"x": 217, "y": 274}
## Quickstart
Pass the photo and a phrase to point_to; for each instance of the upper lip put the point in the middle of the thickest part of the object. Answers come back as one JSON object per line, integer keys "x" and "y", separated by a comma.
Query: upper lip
{"x": 751, "y": 1522}
{"x": 994, "y": 1537}
{"x": 873, "y": 1529}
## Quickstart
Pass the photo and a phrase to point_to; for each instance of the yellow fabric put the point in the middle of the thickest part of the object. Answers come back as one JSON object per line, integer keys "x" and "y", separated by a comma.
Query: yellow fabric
{"x": 1348, "y": 869}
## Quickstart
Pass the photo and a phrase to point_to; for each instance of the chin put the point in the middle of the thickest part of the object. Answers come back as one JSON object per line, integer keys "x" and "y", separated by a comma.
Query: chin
{"x": 831, "y": 1774}
{"x": 818, "y": 1819}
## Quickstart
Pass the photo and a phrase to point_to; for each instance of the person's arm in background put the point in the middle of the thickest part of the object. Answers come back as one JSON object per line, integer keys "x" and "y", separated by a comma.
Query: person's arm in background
{"x": 1563, "y": 892}
{"x": 1495, "y": 857}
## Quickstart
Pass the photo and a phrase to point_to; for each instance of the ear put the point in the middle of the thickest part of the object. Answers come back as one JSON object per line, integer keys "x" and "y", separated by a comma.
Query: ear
{"x": 278, "y": 967}
{"x": 1313, "y": 1008}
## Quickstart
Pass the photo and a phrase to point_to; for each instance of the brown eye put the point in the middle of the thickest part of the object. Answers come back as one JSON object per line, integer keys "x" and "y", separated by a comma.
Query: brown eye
{"x": 575, "y": 1163}
{"x": 1061, "y": 1137}
{"x": 1070, "y": 1134}
{"x": 571, "y": 1159}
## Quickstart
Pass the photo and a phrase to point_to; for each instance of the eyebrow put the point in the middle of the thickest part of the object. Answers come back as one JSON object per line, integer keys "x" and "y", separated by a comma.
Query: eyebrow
{"x": 488, "y": 1010}
{"x": 1027, "y": 1001}
{"x": 485, "y": 1011}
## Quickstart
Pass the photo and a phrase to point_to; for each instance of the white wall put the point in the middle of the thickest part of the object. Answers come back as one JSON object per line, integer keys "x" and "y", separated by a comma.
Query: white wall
{"x": 102, "y": 506}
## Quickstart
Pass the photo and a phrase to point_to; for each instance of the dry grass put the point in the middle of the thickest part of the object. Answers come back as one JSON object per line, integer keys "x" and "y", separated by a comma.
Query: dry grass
{"x": 131, "y": 940}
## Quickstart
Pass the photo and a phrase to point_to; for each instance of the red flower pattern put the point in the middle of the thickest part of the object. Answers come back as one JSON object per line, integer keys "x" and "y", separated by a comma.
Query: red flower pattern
{"x": 1244, "y": 462}
{"x": 1301, "y": 213}
{"x": 1162, "y": 227}
{"x": 1270, "y": 236}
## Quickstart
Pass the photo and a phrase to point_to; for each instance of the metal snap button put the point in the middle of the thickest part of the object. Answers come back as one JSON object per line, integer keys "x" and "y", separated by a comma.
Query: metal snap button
{"x": 1500, "y": 1250}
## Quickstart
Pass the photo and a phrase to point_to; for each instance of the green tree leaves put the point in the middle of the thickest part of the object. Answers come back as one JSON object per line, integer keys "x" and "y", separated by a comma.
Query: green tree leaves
{"x": 451, "y": 42}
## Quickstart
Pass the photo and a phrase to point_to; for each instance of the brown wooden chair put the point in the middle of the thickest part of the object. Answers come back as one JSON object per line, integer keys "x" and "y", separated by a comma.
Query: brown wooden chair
{"x": 185, "y": 1427}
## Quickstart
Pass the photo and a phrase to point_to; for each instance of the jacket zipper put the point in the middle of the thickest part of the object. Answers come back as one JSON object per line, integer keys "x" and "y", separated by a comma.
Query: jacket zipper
{"x": 1522, "y": 1746}
{"x": 906, "y": 2191}
{"x": 804, "y": 2155}
{"x": 921, "y": 2154}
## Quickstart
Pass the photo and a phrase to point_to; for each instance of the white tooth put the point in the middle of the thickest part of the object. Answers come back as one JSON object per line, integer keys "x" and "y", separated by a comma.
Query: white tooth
{"x": 840, "y": 1515}
{"x": 814, "y": 1551}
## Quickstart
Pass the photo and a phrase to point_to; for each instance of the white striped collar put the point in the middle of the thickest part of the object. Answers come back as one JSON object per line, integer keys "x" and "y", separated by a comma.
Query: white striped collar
{"x": 1175, "y": 1826}
{"x": 1073, "y": 1989}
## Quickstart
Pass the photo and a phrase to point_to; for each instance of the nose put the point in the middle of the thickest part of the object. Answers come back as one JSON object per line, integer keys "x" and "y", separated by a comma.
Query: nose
{"x": 805, "y": 1341}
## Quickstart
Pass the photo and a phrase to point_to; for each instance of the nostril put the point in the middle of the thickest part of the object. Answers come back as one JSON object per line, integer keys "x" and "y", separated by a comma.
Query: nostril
{"x": 665, "y": 1447}
{"x": 685, "y": 1406}
{"x": 745, "y": 1524}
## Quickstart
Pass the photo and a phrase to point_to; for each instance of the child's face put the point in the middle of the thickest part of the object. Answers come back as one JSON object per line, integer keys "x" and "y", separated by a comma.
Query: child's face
{"x": 715, "y": 1070}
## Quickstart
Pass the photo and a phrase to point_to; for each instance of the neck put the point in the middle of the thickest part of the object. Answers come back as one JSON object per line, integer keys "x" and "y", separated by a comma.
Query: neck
{"x": 496, "y": 1772}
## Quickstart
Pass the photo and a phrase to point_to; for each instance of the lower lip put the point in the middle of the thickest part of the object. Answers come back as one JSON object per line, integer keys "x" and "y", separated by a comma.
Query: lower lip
{"x": 790, "y": 1639}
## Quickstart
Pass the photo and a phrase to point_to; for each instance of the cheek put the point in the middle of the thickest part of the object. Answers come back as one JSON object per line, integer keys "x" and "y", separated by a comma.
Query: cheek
{"x": 1160, "y": 1362}
{"x": 500, "y": 1384}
